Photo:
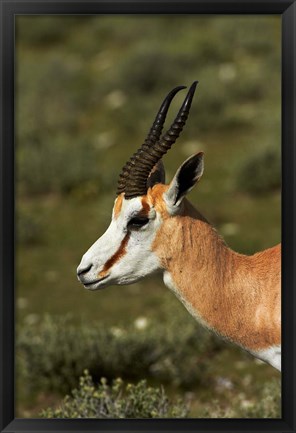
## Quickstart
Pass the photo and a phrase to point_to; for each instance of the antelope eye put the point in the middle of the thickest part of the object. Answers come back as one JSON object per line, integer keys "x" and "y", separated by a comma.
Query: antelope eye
{"x": 137, "y": 222}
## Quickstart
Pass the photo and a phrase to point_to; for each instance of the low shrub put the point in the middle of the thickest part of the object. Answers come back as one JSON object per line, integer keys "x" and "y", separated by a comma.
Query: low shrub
{"x": 269, "y": 404}
{"x": 29, "y": 228}
{"x": 68, "y": 101}
{"x": 57, "y": 165}
{"x": 261, "y": 172}
{"x": 117, "y": 400}
{"x": 54, "y": 353}
{"x": 46, "y": 30}
{"x": 266, "y": 405}
{"x": 120, "y": 400}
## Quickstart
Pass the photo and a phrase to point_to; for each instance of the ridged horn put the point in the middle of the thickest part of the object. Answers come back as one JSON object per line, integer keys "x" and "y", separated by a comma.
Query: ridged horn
{"x": 152, "y": 138}
{"x": 146, "y": 157}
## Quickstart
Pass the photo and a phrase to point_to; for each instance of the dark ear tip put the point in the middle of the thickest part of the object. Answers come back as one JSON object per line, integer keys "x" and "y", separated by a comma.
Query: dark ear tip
{"x": 198, "y": 156}
{"x": 194, "y": 162}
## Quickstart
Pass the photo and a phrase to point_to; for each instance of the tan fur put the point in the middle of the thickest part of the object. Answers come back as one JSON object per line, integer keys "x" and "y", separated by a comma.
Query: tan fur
{"x": 154, "y": 198}
{"x": 237, "y": 296}
{"x": 118, "y": 205}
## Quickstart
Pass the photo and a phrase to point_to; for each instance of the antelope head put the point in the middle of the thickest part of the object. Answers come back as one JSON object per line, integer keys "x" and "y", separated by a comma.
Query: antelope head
{"x": 125, "y": 252}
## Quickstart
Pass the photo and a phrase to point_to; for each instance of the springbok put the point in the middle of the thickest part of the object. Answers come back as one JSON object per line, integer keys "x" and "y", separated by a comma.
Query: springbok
{"x": 155, "y": 228}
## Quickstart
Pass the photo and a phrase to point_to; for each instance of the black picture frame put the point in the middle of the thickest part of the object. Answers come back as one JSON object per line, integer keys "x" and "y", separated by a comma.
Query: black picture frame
{"x": 8, "y": 10}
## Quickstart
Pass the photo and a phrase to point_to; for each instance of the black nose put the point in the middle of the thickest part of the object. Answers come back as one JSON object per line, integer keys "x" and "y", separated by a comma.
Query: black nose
{"x": 81, "y": 271}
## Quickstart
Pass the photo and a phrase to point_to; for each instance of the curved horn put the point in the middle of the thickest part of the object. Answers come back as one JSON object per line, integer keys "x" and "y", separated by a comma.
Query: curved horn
{"x": 152, "y": 138}
{"x": 136, "y": 182}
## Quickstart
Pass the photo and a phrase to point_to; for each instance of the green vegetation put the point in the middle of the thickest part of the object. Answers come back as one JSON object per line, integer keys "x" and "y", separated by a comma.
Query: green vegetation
{"x": 261, "y": 173}
{"x": 174, "y": 352}
{"x": 268, "y": 405}
{"x": 88, "y": 89}
{"x": 29, "y": 228}
{"x": 141, "y": 401}
{"x": 116, "y": 401}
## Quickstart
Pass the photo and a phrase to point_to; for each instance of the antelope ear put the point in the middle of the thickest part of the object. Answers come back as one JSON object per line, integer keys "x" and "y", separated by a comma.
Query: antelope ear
{"x": 157, "y": 175}
{"x": 187, "y": 175}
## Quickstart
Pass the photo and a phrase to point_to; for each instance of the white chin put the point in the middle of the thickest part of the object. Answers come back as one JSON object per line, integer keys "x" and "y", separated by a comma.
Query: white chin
{"x": 109, "y": 281}
{"x": 98, "y": 285}
{"x": 94, "y": 287}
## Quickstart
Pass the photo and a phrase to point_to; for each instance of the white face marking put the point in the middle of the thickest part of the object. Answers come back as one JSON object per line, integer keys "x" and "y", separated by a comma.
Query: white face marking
{"x": 122, "y": 255}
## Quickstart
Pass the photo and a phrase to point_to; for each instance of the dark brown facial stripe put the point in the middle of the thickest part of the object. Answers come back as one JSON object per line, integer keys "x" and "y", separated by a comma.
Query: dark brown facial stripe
{"x": 116, "y": 256}
{"x": 146, "y": 208}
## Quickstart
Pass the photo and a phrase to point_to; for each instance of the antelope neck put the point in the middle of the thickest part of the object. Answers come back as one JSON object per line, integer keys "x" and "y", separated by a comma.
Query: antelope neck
{"x": 224, "y": 290}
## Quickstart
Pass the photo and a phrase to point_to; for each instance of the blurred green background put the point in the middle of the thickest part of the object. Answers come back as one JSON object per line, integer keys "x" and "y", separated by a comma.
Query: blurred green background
{"x": 88, "y": 88}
